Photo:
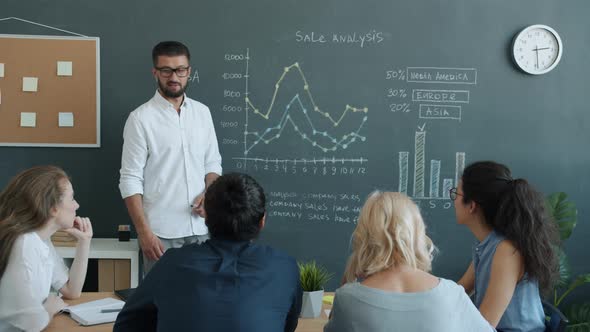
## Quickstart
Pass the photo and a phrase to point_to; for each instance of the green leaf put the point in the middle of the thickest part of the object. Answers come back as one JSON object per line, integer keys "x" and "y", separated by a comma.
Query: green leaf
{"x": 565, "y": 272}
{"x": 579, "y": 281}
{"x": 313, "y": 276}
{"x": 563, "y": 212}
{"x": 579, "y": 317}
{"x": 580, "y": 327}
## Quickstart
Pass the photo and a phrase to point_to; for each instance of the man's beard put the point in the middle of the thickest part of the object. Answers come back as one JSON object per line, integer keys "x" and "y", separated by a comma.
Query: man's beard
{"x": 171, "y": 94}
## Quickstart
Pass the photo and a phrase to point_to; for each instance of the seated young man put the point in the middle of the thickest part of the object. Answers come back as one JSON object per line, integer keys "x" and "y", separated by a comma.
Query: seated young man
{"x": 229, "y": 283}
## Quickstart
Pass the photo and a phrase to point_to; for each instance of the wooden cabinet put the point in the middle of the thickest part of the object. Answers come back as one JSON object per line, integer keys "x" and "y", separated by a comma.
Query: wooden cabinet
{"x": 118, "y": 262}
{"x": 113, "y": 274}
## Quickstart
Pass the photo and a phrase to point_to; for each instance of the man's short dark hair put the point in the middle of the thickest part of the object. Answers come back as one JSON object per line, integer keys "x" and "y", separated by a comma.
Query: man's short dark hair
{"x": 234, "y": 205}
{"x": 169, "y": 48}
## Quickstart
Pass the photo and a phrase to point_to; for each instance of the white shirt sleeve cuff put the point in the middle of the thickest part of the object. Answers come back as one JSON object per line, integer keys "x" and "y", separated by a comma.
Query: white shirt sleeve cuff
{"x": 127, "y": 191}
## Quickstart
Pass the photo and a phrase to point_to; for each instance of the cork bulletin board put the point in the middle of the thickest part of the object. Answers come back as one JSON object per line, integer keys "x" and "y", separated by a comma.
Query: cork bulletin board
{"x": 49, "y": 91}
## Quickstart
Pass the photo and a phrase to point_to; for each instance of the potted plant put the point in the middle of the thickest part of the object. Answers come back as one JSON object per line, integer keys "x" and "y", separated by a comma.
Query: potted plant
{"x": 313, "y": 279}
{"x": 565, "y": 214}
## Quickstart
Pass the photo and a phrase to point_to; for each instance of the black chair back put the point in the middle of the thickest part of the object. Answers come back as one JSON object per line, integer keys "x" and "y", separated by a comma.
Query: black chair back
{"x": 557, "y": 321}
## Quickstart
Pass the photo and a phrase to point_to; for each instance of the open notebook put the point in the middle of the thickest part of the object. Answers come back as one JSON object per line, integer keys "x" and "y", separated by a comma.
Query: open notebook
{"x": 95, "y": 312}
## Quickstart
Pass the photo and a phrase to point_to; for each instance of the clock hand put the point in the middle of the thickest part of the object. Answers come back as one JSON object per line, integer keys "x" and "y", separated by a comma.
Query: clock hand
{"x": 544, "y": 48}
{"x": 537, "y": 52}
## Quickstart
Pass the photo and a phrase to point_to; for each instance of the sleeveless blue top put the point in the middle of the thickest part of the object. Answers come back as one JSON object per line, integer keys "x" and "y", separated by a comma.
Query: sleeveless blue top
{"x": 525, "y": 311}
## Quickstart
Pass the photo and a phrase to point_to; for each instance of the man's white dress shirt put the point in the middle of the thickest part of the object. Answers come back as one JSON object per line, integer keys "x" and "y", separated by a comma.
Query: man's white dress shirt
{"x": 33, "y": 267}
{"x": 166, "y": 156}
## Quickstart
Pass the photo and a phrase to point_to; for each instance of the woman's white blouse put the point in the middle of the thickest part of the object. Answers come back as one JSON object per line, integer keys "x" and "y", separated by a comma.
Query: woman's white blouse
{"x": 33, "y": 267}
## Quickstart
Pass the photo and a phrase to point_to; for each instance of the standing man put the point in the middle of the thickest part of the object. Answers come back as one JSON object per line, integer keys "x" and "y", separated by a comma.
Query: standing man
{"x": 170, "y": 157}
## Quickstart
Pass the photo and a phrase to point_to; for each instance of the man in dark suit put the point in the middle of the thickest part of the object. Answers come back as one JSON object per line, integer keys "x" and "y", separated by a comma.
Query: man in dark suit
{"x": 229, "y": 283}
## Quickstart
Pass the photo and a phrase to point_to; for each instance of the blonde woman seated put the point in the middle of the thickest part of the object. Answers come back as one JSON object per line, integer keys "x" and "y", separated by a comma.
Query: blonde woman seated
{"x": 388, "y": 287}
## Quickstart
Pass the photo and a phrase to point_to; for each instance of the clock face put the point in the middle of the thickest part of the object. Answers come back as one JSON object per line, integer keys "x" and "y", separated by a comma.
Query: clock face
{"x": 537, "y": 49}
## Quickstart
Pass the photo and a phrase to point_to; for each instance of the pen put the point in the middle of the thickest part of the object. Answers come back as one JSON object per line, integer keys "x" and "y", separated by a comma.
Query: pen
{"x": 104, "y": 311}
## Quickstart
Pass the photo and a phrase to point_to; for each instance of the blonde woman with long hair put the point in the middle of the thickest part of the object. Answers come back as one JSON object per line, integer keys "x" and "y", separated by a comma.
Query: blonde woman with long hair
{"x": 388, "y": 284}
{"x": 35, "y": 204}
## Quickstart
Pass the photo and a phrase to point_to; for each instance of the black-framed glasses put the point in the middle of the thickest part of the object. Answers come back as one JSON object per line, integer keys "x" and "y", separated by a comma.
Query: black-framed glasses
{"x": 167, "y": 71}
{"x": 453, "y": 193}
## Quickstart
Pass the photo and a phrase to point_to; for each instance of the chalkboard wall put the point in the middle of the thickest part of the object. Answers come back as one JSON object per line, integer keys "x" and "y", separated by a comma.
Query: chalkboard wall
{"x": 325, "y": 101}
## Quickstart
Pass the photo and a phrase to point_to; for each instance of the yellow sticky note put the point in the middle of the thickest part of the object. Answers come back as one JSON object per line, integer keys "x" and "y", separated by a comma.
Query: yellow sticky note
{"x": 30, "y": 84}
{"x": 328, "y": 299}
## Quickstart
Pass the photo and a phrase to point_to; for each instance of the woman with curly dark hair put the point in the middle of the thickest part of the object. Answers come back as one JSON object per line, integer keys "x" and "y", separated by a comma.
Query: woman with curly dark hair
{"x": 514, "y": 257}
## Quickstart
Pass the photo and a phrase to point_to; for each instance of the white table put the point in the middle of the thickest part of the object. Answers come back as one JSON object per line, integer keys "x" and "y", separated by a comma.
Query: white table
{"x": 110, "y": 249}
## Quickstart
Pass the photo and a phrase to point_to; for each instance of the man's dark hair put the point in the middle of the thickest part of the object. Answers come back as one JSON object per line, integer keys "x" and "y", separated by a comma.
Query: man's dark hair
{"x": 234, "y": 205}
{"x": 169, "y": 48}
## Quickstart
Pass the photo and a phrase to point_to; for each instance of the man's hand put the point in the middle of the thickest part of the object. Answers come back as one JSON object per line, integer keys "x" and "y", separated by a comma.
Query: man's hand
{"x": 151, "y": 246}
{"x": 199, "y": 205}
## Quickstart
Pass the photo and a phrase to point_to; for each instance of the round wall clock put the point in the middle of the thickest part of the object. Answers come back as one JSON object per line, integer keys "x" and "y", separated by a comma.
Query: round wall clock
{"x": 537, "y": 49}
